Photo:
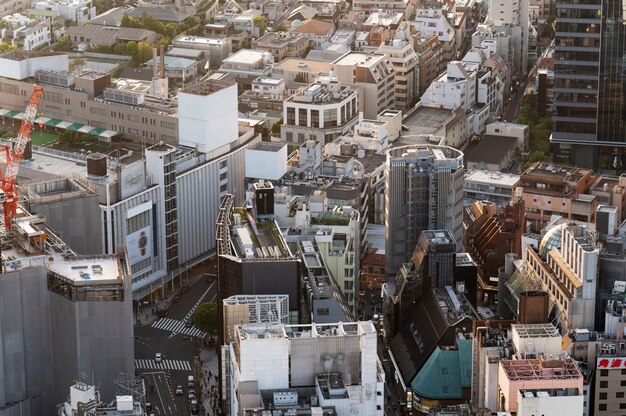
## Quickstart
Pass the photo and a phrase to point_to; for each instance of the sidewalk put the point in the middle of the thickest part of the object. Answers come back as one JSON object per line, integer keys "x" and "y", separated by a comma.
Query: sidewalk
{"x": 210, "y": 371}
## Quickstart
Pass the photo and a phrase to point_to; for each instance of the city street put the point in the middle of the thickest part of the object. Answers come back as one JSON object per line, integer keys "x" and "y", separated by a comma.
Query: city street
{"x": 178, "y": 345}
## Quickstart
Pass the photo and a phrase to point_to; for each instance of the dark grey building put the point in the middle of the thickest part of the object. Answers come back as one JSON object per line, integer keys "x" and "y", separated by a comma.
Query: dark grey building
{"x": 253, "y": 256}
{"x": 433, "y": 258}
{"x": 423, "y": 191}
{"x": 589, "y": 114}
{"x": 64, "y": 318}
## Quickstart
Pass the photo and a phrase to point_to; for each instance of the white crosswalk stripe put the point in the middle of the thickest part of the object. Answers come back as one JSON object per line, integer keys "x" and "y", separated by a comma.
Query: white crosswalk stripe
{"x": 181, "y": 365}
{"x": 174, "y": 325}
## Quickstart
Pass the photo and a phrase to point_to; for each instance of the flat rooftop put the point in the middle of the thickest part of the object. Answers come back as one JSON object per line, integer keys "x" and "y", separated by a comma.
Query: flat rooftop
{"x": 546, "y": 367}
{"x": 490, "y": 149}
{"x": 535, "y": 330}
{"x": 427, "y": 120}
{"x": 556, "y": 171}
{"x": 301, "y": 64}
{"x": 86, "y": 271}
{"x": 198, "y": 40}
{"x": 246, "y": 56}
{"x": 492, "y": 178}
{"x": 360, "y": 59}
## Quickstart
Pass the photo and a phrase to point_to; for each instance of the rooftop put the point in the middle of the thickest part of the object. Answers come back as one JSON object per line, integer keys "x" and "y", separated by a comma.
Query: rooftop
{"x": 300, "y": 65}
{"x": 556, "y": 172}
{"x": 279, "y": 39}
{"x": 492, "y": 178}
{"x": 490, "y": 149}
{"x": 108, "y": 34}
{"x": 535, "y": 330}
{"x": 546, "y": 367}
{"x": 87, "y": 271}
{"x": 174, "y": 62}
{"x": 159, "y": 13}
{"x": 198, "y": 40}
{"x": 427, "y": 120}
{"x": 207, "y": 87}
{"x": 316, "y": 27}
{"x": 360, "y": 59}
{"x": 246, "y": 56}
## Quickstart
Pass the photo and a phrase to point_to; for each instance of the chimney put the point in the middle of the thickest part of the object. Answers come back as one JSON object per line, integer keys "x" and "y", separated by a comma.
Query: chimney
{"x": 162, "y": 61}
{"x": 154, "y": 63}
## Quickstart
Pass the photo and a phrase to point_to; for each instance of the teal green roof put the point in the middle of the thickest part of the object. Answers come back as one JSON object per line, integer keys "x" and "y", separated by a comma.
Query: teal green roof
{"x": 445, "y": 373}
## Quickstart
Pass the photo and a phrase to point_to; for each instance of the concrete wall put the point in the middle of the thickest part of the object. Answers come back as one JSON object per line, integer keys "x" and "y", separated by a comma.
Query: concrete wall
{"x": 77, "y": 221}
{"x": 47, "y": 342}
{"x": 208, "y": 122}
{"x": 266, "y": 164}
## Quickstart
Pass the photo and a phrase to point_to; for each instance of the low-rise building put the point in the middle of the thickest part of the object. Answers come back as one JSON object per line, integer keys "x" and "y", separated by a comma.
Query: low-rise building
{"x": 323, "y": 111}
{"x": 248, "y": 64}
{"x": 552, "y": 189}
{"x": 298, "y": 72}
{"x": 492, "y": 153}
{"x": 369, "y": 6}
{"x": 282, "y": 44}
{"x": 316, "y": 31}
{"x": 216, "y": 49}
{"x": 79, "y": 11}
{"x": 484, "y": 185}
{"x": 97, "y": 35}
{"x": 26, "y": 33}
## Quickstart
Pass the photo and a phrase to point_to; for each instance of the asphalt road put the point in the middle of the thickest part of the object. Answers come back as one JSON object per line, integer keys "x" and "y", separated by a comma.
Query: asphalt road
{"x": 178, "y": 349}
{"x": 514, "y": 105}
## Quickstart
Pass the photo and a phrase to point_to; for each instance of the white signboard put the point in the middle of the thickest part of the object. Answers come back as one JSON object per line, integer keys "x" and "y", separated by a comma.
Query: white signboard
{"x": 139, "y": 245}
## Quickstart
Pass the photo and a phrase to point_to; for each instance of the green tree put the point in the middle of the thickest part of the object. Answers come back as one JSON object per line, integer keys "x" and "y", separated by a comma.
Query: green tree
{"x": 170, "y": 30}
{"x": 144, "y": 52}
{"x": 535, "y": 156}
{"x": 131, "y": 48}
{"x": 63, "y": 44}
{"x": 205, "y": 318}
{"x": 276, "y": 128}
{"x": 279, "y": 27}
{"x": 5, "y": 47}
{"x": 77, "y": 63}
{"x": 261, "y": 23}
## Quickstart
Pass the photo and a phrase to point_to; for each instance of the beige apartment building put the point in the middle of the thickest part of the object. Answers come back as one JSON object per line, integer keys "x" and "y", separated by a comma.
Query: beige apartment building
{"x": 374, "y": 76}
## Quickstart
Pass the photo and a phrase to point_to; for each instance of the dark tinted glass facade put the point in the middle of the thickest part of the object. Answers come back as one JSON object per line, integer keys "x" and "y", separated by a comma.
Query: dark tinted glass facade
{"x": 590, "y": 74}
{"x": 612, "y": 79}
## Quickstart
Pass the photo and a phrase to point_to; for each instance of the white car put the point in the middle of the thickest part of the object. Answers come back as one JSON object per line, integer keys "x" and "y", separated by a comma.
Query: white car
{"x": 158, "y": 357}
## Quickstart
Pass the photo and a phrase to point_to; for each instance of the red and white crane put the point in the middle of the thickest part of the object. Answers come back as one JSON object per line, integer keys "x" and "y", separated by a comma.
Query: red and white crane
{"x": 14, "y": 154}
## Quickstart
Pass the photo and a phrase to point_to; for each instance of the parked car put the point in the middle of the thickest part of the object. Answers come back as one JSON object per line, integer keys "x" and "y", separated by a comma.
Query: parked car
{"x": 189, "y": 323}
{"x": 194, "y": 407}
{"x": 179, "y": 390}
{"x": 192, "y": 395}
{"x": 158, "y": 357}
{"x": 148, "y": 406}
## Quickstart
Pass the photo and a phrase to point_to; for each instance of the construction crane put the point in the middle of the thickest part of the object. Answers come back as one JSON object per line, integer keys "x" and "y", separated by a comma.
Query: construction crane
{"x": 14, "y": 154}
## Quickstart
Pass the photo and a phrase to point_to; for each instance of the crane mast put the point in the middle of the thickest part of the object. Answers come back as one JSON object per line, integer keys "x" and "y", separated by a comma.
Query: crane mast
{"x": 14, "y": 158}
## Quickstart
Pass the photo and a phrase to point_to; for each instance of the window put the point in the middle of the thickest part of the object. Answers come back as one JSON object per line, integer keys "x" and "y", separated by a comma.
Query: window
{"x": 623, "y": 383}
{"x": 604, "y": 384}
{"x": 604, "y": 373}
{"x": 603, "y": 396}
{"x": 619, "y": 395}
{"x": 622, "y": 405}
{"x": 602, "y": 406}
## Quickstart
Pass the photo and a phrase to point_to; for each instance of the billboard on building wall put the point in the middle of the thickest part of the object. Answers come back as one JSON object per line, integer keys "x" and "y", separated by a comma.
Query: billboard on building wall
{"x": 133, "y": 179}
{"x": 139, "y": 245}
{"x": 611, "y": 363}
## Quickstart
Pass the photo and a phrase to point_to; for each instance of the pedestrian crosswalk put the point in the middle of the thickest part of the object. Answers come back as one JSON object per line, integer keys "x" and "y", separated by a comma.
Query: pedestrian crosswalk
{"x": 178, "y": 327}
{"x": 143, "y": 364}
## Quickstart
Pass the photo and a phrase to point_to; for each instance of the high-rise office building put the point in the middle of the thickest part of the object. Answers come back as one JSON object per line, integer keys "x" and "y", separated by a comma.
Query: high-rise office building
{"x": 423, "y": 191}
{"x": 589, "y": 120}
